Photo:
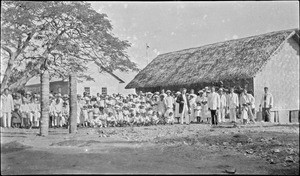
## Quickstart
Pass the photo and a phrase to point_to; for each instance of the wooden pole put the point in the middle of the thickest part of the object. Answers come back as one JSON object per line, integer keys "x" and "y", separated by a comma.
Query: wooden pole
{"x": 73, "y": 102}
{"x": 44, "y": 121}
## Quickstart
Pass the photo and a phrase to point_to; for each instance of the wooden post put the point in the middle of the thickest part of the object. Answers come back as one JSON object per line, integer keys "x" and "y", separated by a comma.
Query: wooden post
{"x": 44, "y": 120}
{"x": 73, "y": 102}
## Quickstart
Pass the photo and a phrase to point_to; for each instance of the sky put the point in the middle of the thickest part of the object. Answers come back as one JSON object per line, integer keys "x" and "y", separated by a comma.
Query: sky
{"x": 173, "y": 26}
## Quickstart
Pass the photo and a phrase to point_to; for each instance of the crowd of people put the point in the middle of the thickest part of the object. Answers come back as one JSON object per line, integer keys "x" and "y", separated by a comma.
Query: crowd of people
{"x": 142, "y": 109}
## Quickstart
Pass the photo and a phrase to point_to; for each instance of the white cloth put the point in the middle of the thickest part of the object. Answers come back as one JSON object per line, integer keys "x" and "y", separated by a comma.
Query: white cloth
{"x": 192, "y": 106}
{"x": 184, "y": 115}
{"x": 252, "y": 101}
{"x": 7, "y": 103}
{"x": 169, "y": 102}
{"x": 214, "y": 101}
{"x": 177, "y": 114}
{"x": 233, "y": 100}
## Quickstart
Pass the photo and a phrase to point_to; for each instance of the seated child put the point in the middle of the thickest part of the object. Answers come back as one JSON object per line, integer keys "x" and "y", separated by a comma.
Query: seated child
{"x": 16, "y": 116}
{"x": 120, "y": 119}
{"x": 170, "y": 118}
{"x": 126, "y": 115}
{"x": 155, "y": 119}
{"x": 138, "y": 119}
{"x": 111, "y": 120}
{"x": 131, "y": 117}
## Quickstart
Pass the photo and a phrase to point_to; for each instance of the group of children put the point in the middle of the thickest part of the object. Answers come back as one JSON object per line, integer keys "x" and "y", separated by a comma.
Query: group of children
{"x": 116, "y": 111}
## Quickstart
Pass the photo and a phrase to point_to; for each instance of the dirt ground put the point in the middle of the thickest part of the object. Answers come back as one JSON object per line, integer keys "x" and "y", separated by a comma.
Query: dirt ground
{"x": 262, "y": 148}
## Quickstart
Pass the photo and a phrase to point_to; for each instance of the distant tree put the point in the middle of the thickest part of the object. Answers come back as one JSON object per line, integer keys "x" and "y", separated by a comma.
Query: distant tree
{"x": 58, "y": 37}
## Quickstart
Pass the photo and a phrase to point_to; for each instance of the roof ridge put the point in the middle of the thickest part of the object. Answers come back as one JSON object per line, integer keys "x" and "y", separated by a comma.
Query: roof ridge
{"x": 293, "y": 29}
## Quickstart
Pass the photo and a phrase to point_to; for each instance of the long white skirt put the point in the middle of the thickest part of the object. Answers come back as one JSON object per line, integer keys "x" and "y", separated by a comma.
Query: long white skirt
{"x": 177, "y": 114}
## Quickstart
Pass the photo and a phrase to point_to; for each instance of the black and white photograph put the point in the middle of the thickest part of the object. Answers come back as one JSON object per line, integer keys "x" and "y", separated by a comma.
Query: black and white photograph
{"x": 149, "y": 87}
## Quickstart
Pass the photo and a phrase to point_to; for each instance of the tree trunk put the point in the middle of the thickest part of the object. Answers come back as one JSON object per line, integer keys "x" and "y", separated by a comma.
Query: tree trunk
{"x": 44, "y": 121}
{"x": 73, "y": 102}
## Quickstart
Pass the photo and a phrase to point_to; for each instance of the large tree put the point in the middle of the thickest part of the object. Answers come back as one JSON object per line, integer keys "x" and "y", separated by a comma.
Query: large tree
{"x": 58, "y": 37}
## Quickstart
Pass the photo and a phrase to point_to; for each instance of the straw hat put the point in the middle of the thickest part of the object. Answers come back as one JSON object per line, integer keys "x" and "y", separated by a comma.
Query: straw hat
{"x": 168, "y": 91}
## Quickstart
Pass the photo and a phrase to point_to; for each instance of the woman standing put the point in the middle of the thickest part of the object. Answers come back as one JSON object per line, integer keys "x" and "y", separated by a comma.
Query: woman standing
{"x": 177, "y": 114}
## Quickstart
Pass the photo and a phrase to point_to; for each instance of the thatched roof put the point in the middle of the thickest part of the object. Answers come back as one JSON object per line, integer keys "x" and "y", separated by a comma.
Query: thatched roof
{"x": 234, "y": 59}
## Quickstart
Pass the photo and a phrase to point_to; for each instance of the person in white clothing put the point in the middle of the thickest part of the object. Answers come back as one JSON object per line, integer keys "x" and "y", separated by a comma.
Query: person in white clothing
{"x": 184, "y": 107}
{"x": 266, "y": 104}
{"x": 192, "y": 101}
{"x": 177, "y": 114}
{"x": 169, "y": 102}
{"x": 252, "y": 105}
{"x": 214, "y": 105}
{"x": 223, "y": 104}
{"x": 233, "y": 104}
{"x": 7, "y": 107}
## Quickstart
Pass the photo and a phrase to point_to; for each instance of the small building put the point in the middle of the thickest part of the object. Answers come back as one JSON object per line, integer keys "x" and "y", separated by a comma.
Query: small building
{"x": 103, "y": 83}
{"x": 270, "y": 59}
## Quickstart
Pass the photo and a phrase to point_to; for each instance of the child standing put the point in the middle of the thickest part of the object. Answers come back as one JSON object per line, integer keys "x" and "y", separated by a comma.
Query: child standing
{"x": 88, "y": 122}
{"x": 198, "y": 112}
{"x": 16, "y": 116}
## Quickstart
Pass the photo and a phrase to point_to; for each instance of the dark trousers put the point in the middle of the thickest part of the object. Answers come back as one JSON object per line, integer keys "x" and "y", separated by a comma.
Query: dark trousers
{"x": 214, "y": 119}
{"x": 266, "y": 114}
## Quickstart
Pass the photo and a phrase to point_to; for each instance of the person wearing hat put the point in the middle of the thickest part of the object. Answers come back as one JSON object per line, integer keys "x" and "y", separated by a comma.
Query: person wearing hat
{"x": 192, "y": 102}
{"x": 266, "y": 104}
{"x": 169, "y": 101}
{"x": 244, "y": 102}
{"x": 223, "y": 105}
{"x": 184, "y": 107}
{"x": 213, "y": 105}
{"x": 232, "y": 105}
{"x": 203, "y": 100}
{"x": 161, "y": 106}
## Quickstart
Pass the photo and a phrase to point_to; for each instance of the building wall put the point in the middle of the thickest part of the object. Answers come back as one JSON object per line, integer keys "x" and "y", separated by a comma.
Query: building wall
{"x": 104, "y": 79}
{"x": 281, "y": 75}
{"x": 55, "y": 87}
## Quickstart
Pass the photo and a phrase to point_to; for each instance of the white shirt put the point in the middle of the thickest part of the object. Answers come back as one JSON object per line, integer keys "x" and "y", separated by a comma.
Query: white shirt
{"x": 223, "y": 101}
{"x": 233, "y": 100}
{"x": 7, "y": 103}
{"x": 169, "y": 101}
{"x": 214, "y": 101}
{"x": 268, "y": 102}
{"x": 252, "y": 100}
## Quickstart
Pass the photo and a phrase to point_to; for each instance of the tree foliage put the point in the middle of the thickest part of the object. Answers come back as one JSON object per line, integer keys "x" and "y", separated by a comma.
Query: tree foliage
{"x": 60, "y": 35}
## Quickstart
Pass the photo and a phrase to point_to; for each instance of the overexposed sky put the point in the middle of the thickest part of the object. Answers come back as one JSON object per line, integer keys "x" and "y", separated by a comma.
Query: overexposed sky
{"x": 171, "y": 26}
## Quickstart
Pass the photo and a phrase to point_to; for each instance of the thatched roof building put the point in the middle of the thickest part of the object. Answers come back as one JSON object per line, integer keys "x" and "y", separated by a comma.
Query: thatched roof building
{"x": 239, "y": 59}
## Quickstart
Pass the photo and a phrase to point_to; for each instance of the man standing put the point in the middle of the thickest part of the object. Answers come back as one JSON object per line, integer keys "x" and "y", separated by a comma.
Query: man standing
{"x": 266, "y": 104}
{"x": 223, "y": 104}
{"x": 214, "y": 105}
{"x": 7, "y": 107}
{"x": 183, "y": 106}
{"x": 233, "y": 104}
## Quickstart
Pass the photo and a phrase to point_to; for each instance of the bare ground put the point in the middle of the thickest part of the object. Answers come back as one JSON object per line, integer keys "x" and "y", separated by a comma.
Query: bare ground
{"x": 262, "y": 148}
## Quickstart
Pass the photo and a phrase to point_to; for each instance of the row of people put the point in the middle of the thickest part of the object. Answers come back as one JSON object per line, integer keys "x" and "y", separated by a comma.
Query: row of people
{"x": 117, "y": 109}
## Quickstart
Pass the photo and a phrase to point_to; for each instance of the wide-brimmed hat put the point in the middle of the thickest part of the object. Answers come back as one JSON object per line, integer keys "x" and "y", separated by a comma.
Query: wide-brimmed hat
{"x": 168, "y": 91}
{"x": 200, "y": 91}
{"x": 177, "y": 93}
